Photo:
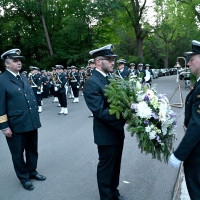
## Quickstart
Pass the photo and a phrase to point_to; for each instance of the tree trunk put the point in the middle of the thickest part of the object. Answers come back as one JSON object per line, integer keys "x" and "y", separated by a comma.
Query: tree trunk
{"x": 166, "y": 57}
{"x": 45, "y": 29}
{"x": 47, "y": 35}
{"x": 139, "y": 47}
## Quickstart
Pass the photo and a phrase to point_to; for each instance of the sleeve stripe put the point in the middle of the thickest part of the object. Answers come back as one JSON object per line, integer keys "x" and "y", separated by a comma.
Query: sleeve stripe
{"x": 3, "y": 119}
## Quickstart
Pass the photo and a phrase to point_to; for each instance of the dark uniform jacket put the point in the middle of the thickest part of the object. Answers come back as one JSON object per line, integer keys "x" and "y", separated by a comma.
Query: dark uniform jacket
{"x": 134, "y": 71}
{"x": 74, "y": 79}
{"x": 107, "y": 129}
{"x": 82, "y": 76}
{"x": 144, "y": 73}
{"x": 189, "y": 148}
{"x": 44, "y": 80}
{"x": 60, "y": 82}
{"x": 89, "y": 72}
{"x": 18, "y": 106}
{"x": 36, "y": 82}
{"x": 124, "y": 74}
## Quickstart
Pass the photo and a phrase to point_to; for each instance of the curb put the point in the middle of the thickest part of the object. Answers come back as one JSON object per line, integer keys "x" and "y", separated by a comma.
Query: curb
{"x": 177, "y": 187}
{"x": 180, "y": 189}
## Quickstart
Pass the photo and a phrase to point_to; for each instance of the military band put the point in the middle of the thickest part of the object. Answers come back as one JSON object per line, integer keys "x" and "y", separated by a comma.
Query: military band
{"x": 63, "y": 83}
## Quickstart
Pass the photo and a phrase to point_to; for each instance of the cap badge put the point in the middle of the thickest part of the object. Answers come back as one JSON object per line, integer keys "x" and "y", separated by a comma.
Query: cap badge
{"x": 17, "y": 52}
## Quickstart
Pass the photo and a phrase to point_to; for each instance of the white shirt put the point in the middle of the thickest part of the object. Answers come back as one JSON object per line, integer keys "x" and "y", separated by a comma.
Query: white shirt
{"x": 104, "y": 74}
{"x": 12, "y": 72}
{"x": 198, "y": 79}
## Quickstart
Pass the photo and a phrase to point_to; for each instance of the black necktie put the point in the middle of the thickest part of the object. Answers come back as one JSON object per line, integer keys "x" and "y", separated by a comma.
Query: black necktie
{"x": 19, "y": 78}
{"x": 107, "y": 79}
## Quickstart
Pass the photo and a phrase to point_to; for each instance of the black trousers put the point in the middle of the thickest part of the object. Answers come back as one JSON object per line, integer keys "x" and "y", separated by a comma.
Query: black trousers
{"x": 51, "y": 89}
{"x": 62, "y": 99}
{"x": 108, "y": 171}
{"x": 75, "y": 91}
{"x": 39, "y": 99}
{"x": 192, "y": 177}
{"x": 19, "y": 144}
{"x": 82, "y": 84}
{"x": 45, "y": 93}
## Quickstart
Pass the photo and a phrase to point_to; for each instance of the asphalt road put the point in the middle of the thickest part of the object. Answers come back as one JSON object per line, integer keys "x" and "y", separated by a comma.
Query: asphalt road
{"x": 68, "y": 157}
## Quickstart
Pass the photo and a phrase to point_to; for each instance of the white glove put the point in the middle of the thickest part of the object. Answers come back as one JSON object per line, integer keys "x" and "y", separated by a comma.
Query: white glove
{"x": 174, "y": 162}
{"x": 56, "y": 89}
{"x": 77, "y": 86}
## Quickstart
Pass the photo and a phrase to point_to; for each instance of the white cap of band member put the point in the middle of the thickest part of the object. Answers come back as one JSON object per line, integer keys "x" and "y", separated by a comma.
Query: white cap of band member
{"x": 121, "y": 61}
{"x": 103, "y": 51}
{"x": 59, "y": 67}
{"x": 140, "y": 65}
{"x": 33, "y": 68}
{"x": 90, "y": 61}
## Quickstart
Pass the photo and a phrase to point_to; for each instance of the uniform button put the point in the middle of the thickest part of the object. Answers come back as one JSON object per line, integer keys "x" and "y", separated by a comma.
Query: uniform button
{"x": 25, "y": 95}
{"x": 30, "y": 108}
{"x": 28, "y": 101}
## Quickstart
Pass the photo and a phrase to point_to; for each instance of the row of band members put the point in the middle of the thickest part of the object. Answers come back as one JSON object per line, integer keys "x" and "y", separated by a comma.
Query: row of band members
{"x": 72, "y": 74}
{"x": 63, "y": 83}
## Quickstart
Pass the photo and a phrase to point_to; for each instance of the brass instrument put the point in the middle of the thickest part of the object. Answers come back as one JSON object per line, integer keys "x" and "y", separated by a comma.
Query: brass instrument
{"x": 87, "y": 75}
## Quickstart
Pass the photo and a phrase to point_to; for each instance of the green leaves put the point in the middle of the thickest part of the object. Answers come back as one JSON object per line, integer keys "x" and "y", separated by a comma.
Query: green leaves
{"x": 76, "y": 27}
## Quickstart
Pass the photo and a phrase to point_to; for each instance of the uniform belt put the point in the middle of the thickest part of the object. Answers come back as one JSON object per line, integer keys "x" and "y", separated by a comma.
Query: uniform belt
{"x": 73, "y": 81}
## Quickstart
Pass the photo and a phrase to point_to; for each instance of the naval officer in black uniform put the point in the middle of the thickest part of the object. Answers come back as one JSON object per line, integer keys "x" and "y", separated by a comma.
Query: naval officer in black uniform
{"x": 108, "y": 131}
{"x": 188, "y": 150}
{"x": 19, "y": 119}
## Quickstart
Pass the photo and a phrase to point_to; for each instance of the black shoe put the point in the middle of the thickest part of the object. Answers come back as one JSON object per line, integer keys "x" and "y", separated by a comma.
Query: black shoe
{"x": 122, "y": 198}
{"x": 28, "y": 185}
{"x": 38, "y": 177}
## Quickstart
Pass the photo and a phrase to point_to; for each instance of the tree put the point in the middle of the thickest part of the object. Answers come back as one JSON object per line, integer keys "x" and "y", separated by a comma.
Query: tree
{"x": 193, "y": 6}
{"x": 136, "y": 12}
{"x": 41, "y": 5}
